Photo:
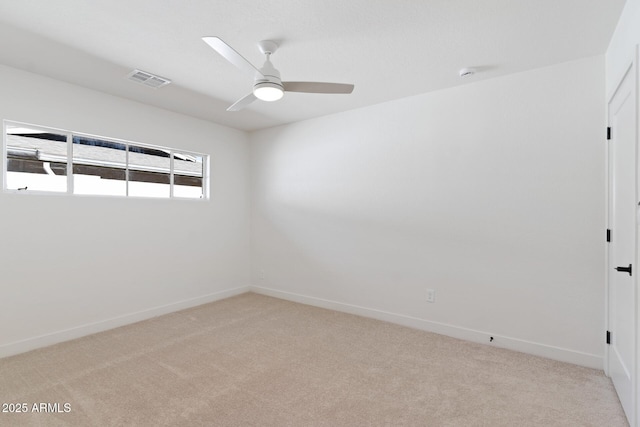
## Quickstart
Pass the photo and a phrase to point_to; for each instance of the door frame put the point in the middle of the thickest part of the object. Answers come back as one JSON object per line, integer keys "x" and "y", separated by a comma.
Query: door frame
{"x": 632, "y": 66}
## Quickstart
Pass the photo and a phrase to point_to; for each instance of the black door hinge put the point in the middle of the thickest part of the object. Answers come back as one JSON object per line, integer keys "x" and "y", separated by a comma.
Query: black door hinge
{"x": 608, "y": 235}
{"x": 608, "y": 133}
{"x": 608, "y": 337}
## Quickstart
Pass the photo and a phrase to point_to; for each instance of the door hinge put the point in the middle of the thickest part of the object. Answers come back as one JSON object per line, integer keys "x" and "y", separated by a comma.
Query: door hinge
{"x": 608, "y": 235}
{"x": 608, "y": 133}
{"x": 608, "y": 337}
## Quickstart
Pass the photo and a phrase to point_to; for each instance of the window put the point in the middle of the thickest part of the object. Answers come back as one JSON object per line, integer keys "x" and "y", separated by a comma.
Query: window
{"x": 187, "y": 177}
{"x": 149, "y": 172}
{"x": 99, "y": 167}
{"x": 36, "y": 159}
{"x": 42, "y": 159}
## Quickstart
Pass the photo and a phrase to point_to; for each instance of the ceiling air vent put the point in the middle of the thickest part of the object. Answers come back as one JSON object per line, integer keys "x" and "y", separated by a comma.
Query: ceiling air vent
{"x": 147, "y": 79}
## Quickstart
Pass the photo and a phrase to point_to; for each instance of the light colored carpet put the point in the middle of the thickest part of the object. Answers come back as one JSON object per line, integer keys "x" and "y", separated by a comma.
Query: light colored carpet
{"x": 253, "y": 360}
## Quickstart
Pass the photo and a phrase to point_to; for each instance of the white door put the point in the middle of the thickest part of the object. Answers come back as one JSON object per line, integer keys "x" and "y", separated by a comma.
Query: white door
{"x": 622, "y": 267}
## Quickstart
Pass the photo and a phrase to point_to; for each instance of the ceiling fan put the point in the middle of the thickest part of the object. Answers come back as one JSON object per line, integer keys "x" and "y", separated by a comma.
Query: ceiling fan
{"x": 267, "y": 85}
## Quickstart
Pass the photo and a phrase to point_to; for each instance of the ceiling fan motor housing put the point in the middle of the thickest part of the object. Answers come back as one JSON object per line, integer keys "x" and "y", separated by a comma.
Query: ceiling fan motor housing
{"x": 268, "y": 87}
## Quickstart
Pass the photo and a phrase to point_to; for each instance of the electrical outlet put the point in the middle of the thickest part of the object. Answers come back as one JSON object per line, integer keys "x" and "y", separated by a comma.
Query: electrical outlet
{"x": 431, "y": 295}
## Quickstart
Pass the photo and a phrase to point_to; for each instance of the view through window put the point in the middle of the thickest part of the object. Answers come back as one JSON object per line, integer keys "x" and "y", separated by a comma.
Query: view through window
{"x": 42, "y": 159}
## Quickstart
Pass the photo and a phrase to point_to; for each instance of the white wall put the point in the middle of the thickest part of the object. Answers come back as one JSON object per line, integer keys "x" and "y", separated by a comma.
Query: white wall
{"x": 71, "y": 265}
{"x": 623, "y": 44}
{"x": 491, "y": 193}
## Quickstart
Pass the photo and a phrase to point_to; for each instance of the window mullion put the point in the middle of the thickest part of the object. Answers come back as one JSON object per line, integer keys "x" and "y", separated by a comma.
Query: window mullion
{"x": 126, "y": 170}
{"x": 171, "y": 181}
{"x": 69, "y": 163}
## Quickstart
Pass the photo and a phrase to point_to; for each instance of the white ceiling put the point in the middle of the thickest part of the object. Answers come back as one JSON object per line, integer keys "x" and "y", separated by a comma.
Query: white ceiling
{"x": 388, "y": 48}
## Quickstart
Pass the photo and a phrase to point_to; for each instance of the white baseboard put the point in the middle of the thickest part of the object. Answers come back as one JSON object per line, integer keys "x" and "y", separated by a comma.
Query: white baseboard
{"x": 556, "y": 353}
{"x": 537, "y": 349}
{"x": 103, "y": 325}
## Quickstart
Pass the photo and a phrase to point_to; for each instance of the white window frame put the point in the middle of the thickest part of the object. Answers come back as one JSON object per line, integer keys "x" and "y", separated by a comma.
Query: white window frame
{"x": 70, "y": 183}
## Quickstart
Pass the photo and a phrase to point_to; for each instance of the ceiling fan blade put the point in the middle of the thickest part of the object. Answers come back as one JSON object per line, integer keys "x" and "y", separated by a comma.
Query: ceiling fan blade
{"x": 229, "y": 53}
{"x": 242, "y": 102}
{"x": 317, "y": 87}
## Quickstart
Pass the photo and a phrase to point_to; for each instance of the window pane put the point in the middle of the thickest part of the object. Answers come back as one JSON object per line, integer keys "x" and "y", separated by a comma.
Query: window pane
{"x": 36, "y": 159}
{"x": 187, "y": 175}
{"x": 99, "y": 167}
{"x": 149, "y": 172}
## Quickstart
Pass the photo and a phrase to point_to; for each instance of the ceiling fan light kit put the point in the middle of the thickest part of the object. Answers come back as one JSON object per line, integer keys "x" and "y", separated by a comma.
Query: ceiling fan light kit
{"x": 268, "y": 91}
{"x": 267, "y": 85}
